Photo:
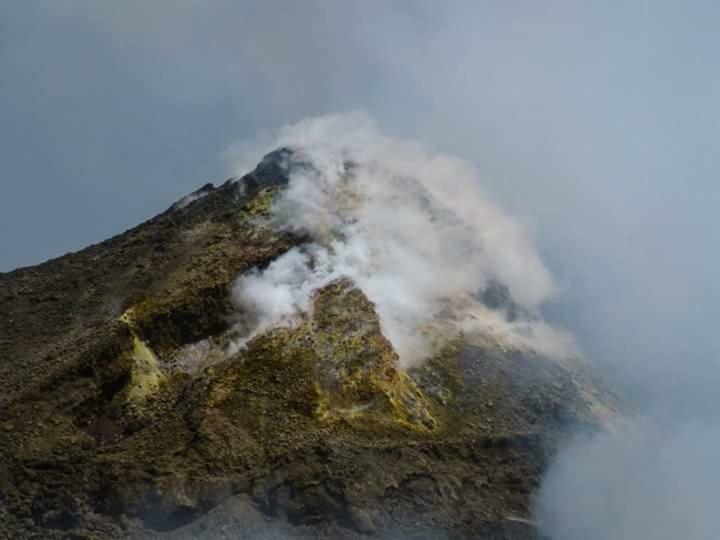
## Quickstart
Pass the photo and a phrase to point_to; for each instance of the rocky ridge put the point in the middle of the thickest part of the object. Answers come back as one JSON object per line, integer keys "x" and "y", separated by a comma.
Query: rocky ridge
{"x": 123, "y": 414}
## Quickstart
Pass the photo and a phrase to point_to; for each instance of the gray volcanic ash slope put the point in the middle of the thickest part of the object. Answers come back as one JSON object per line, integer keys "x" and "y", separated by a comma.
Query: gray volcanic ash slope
{"x": 340, "y": 344}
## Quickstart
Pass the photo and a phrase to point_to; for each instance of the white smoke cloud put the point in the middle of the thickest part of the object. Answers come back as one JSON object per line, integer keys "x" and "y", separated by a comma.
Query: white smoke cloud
{"x": 410, "y": 227}
{"x": 646, "y": 480}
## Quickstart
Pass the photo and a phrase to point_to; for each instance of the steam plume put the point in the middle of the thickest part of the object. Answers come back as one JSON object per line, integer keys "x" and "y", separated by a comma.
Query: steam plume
{"x": 410, "y": 227}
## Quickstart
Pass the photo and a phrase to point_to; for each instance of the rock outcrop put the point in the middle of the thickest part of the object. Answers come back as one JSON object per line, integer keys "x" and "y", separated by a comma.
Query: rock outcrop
{"x": 125, "y": 413}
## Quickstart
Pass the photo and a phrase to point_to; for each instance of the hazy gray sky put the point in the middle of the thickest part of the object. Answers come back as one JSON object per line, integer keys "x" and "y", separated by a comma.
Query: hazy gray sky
{"x": 594, "y": 122}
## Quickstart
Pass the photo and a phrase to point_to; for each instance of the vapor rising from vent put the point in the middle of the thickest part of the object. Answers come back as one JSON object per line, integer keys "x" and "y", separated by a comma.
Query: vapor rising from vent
{"x": 410, "y": 227}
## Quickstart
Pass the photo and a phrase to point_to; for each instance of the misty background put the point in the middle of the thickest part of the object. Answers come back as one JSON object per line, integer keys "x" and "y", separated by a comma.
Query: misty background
{"x": 594, "y": 123}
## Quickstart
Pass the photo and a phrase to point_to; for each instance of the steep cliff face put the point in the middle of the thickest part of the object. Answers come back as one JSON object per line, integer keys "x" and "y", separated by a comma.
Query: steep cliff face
{"x": 128, "y": 410}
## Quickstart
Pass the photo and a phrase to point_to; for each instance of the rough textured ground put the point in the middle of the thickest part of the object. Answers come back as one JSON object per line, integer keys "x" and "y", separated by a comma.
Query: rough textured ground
{"x": 121, "y": 416}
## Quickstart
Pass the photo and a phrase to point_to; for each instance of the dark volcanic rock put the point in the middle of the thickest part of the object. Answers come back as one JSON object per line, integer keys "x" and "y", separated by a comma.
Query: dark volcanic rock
{"x": 121, "y": 416}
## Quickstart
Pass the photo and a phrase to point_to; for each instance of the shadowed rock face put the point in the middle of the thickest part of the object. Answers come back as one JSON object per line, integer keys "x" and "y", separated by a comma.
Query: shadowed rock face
{"x": 123, "y": 415}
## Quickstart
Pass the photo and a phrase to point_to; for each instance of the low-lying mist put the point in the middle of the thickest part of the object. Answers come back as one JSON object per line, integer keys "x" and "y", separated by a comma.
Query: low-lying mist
{"x": 648, "y": 479}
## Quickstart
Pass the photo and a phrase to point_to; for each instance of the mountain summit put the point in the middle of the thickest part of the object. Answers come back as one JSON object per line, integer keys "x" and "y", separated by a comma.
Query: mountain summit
{"x": 276, "y": 357}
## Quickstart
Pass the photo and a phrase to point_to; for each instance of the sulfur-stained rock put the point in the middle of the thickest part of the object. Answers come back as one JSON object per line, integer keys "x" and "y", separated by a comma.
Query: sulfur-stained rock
{"x": 125, "y": 411}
